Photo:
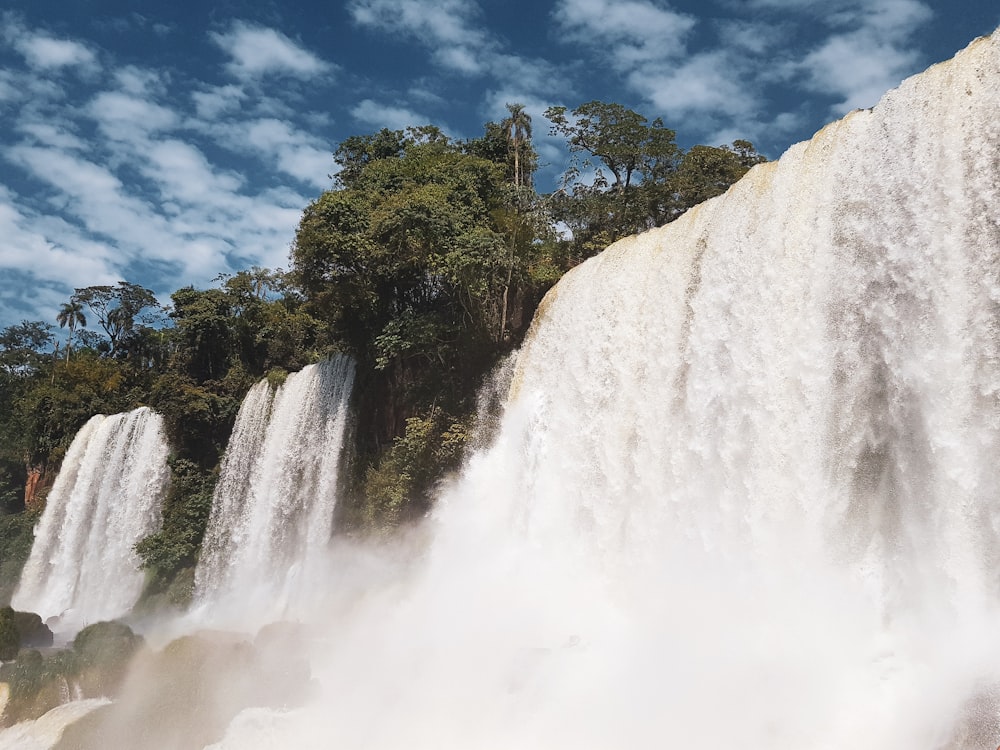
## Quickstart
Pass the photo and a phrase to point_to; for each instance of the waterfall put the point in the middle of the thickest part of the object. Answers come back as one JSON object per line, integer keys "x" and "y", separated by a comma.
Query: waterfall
{"x": 106, "y": 498}
{"x": 272, "y": 511}
{"x": 745, "y": 490}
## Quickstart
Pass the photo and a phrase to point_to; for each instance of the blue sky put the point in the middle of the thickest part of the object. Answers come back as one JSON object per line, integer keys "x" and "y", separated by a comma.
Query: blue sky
{"x": 165, "y": 143}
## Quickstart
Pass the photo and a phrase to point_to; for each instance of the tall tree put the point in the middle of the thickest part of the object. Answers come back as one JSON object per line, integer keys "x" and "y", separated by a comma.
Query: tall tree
{"x": 517, "y": 128}
{"x": 70, "y": 316}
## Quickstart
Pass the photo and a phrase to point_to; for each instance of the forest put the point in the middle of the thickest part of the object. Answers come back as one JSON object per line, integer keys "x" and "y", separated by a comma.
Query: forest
{"x": 424, "y": 261}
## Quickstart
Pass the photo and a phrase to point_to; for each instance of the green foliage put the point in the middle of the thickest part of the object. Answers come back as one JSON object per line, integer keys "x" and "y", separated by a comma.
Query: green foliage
{"x": 397, "y": 488}
{"x": 117, "y": 310}
{"x": 10, "y": 638}
{"x": 625, "y": 143}
{"x": 16, "y": 536}
{"x": 641, "y": 178}
{"x": 22, "y": 347}
{"x": 185, "y": 517}
{"x": 52, "y": 410}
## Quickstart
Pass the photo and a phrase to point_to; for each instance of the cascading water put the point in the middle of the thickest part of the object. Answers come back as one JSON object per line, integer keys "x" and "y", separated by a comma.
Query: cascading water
{"x": 106, "y": 498}
{"x": 746, "y": 488}
{"x": 272, "y": 511}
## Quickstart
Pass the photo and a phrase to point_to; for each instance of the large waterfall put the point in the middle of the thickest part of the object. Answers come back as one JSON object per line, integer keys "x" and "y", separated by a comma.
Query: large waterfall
{"x": 746, "y": 488}
{"x": 106, "y": 498}
{"x": 273, "y": 507}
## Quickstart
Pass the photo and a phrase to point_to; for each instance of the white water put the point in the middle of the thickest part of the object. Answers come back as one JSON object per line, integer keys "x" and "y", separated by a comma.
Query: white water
{"x": 45, "y": 731}
{"x": 745, "y": 491}
{"x": 272, "y": 512}
{"x": 107, "y": 497}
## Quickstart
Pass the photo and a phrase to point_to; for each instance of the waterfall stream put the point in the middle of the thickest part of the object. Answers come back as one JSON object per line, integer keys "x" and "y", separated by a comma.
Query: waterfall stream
{"x": 272, "y": 511}
{"x": 107, "y": 497}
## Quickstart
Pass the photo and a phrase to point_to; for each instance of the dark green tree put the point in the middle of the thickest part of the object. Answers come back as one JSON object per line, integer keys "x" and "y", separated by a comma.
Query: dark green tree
{"x": 117, "y": 309}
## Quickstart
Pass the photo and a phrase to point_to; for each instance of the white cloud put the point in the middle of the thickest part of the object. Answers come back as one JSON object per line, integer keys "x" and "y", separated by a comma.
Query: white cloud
{"x": 703, "y": 83}
{"x": 148, "y": 195}
{"x": 47, "y": 53}
{"x": 124, "y": 116}
{"x": 50, "y": 134}
{"x": 448, "y": 28}
{"x": 32, "y": 245}
{"x": 386, "y": 115}
{"x": 434, "y": 22}
{"x": 258, "y": 51}
{"x": 869, "y": 53}
{"x": 453, "y": 34}
{"x": 141, "y": 81}
{"x": 216, "y": 101}
{"x": 634, "y": 30}
{"x": 294, "y": 151}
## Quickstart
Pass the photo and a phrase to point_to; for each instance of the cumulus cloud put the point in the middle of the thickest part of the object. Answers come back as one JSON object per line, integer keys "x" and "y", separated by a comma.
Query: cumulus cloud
{"x": 432, "y": 21}
{"x": 128, "y": 181}
{"x": 390, "y": 116}
{"x": 258, "y": 51}
{"x": 869, "y": 52}
{"x": 702, "y": 83}
{"x": 457, "y": 40}
{"x": 633, "y": 31}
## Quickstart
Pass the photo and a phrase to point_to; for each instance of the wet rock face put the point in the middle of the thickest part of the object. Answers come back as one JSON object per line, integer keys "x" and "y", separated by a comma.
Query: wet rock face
{"x": 21, "y": 630}
{"x": 34, "y": 488}
{"x": 186, "y": 694}
{"x": 33, "y": 632}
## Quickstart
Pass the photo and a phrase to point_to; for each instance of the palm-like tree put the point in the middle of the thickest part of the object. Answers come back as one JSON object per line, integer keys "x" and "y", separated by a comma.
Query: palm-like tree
{"x": 518, "y": 130}
{"x": 71, "y": 315}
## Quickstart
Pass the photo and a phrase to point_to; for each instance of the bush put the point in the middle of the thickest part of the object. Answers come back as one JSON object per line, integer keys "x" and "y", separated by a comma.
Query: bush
{"x": 10, "y": 639}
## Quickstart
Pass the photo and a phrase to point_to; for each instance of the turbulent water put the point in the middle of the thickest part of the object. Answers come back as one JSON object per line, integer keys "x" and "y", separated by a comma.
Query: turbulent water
{"x": 272, "y": 511}
{"x": 107, "y": 497}
{"x": 46, "y": 731}
{"x": 744, "y": 491}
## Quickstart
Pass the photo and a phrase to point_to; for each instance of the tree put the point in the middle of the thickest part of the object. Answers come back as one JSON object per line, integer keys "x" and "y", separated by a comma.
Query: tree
{"x": 623, "y": 141}
{"x": 116, "y": 309}
{"x": 21, "y": 346}
{"x": 408, "y": 266}
{"x": 71, "y": 315}
{"x": 204, "y": 331}
{"x": 517, "y": 128}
